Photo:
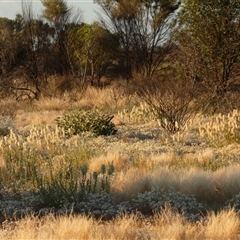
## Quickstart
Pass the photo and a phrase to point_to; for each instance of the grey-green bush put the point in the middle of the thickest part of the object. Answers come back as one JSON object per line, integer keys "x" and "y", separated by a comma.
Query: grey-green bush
{"x": 80, "y": 121}
{"x": 155, "y": 200}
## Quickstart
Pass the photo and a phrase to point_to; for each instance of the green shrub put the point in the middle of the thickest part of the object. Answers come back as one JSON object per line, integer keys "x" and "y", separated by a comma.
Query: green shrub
{"x": 87, "y": 121}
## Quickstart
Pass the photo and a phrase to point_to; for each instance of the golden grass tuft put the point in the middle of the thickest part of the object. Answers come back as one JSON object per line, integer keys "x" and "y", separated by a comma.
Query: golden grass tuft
{"x": 2, "y": 163}
{"x": 228, "y": 180}
{"x": 112, "y": 97}
{"x": 119, "y": 160}
{"x": 209, "y": 187}
{"x": 167, "y": 225}
{"x": 53, "y": 103}
{"x": 127, "y": 183}
{"x": 223, "y": 225}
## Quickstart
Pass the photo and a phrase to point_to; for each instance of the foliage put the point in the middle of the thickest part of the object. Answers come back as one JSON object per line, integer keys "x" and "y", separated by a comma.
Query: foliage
{"x": 17, "y": 173}
{"x": 56, "y": 179}
{"x": 156, "y": 200}
{"x": 233, "y": 202}
{"x": 209, "y": 43}
{"x": 61, "y": 18}
{"x": 41, "y": 148}
{"x": 94, "y": 56}
{"x": 144, "y": 29}
{"x": 87, "y": 121}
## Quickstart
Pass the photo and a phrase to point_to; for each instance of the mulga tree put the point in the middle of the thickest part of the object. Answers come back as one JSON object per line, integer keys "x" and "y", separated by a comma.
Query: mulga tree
{"x": 61, "y": 17}
{"x": 35, "y": 46}
{"x": 24, "y": 44}
{"x": 105, "y": 53}
{"x": 7, "y": 53}
{"x": 97, "y": 50}
{"x": 7, "y": 27}
{"x": 209, "y": 44}
{"x": 145, "y": 30}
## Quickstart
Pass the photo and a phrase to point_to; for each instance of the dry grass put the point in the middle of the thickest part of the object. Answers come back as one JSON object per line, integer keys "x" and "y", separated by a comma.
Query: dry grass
{"x": 27, "y": 118}
{"x": 206, "y": 186}
{"x": 120, "y": 161}
{"x": 168, "y": 225}
{"x": 47, "y": 109}
{"x": 8, "y": 107}
{"x": 135, "y": 172}
{"x": 52, "y": 103}
{"x": 111, "y": 98}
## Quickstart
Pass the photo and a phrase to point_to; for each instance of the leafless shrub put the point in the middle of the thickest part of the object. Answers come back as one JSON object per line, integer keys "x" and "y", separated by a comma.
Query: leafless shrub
{"x": 172, "y": 102}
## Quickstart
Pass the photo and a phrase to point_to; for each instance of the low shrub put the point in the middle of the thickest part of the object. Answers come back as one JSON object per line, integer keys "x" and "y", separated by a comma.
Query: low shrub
{"x": 155, "y": 200}
{"x": 172, "y": 104}
{"x": 80, "y": 121}
{"x": 233, "y": 202}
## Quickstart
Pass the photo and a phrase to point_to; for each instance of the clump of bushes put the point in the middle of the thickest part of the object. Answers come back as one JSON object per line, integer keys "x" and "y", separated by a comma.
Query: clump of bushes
{"x": 233, "y": 202}
{"x": 81, "y": 120}
{"x": 155, "y": 200}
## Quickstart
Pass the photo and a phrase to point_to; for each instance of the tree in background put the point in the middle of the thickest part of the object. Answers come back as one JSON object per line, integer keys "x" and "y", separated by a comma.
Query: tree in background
{"x": 30, "y": 53}
{"x": 60, "y": 16}
{"x": 209, "y": 45}
{"x": 97, "y": 50}
{"x": 145, "y": 29}
{"x": 8, "y": 53}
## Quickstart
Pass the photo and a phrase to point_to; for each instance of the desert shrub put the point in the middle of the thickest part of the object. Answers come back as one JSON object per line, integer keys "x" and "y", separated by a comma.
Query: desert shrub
{"x": 172, "y": 103}
{"x": 222, "y": 129}
{"x": 80, "y": 121}
{"x": 95, "y": 201}
{"x": 155, "y": 200}
{"x": 233, "y": 202}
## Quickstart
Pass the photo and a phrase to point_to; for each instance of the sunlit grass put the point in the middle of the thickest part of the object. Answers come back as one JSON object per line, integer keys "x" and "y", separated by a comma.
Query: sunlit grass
{"x": 168, "y": 225}
{"x": 144, "y": 157}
